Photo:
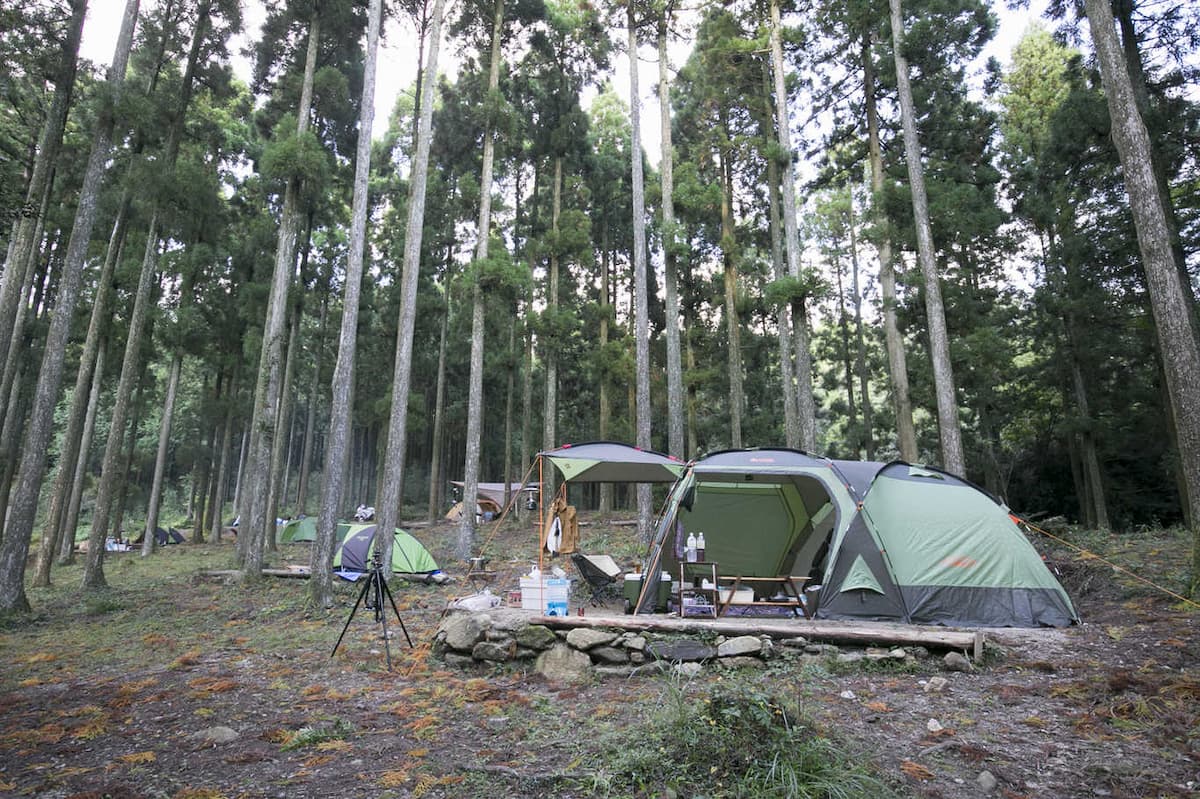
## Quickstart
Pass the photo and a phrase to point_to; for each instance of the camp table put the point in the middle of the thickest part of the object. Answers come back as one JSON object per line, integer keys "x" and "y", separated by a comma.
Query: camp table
{"x": 790, "y": 595}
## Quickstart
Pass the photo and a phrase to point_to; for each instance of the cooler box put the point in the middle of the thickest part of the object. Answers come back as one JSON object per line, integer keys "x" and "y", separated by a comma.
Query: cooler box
{"x": 548, "y": 596}
{"x": 633, "y": 590}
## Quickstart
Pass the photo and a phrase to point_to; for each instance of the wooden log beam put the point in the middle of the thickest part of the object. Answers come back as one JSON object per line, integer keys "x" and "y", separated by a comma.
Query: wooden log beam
{"x": 856, "y": 632}
{"x": 428, "y": 579}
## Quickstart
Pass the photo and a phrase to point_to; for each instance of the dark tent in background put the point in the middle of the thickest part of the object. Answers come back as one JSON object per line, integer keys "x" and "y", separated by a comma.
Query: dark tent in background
{"x": 162, "y": 537}
{"x": 878, "y": 541}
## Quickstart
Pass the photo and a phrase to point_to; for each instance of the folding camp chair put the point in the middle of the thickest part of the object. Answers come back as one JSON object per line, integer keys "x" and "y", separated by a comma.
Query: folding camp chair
{"x": 600, "y": 573}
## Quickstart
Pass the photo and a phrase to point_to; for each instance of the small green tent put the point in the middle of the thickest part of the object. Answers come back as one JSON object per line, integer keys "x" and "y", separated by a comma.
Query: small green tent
{"x": 882, "y": 541}
{"x": 355, "y": 552}
{"x": 298, "y": 530}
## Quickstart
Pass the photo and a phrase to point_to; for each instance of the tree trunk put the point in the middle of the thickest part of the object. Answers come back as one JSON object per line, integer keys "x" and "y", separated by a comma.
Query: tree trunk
{"x": 83, "y": 400}
{"x": 550, "y": 356}
{"x": 1172, "y": 318}
{"x": 23, "y": 245}
{"x": 321, "y": 585}
{"x": 131, "y": 364}
{"x": 263, "y": 426}
{"x": 860, "y": 358}
{"x": 509, "y": 396}
{"x": 806, "y": 405}
{"x": 160, "y": 459}
{"x": 310, "y": 421}
{"x": 732, "y": 324}
{"x": 128, "y": 474}
{"x": 205, "y": 485}
{"x": 222, "y": 482}
{"x": 19, "y": 526}
{"x": 69, "y": 467}
{"x": 939, "y": 342}
{"x": 283, "y": 443}
{"x": 693, "y": 402}
{"x": 641, "y": 301}
{"x": 439, "y": 419}
{"x": 66, "y": 549}
{"x": 388, "y": 506}
{"x": 783, "y": 324}
{"x": 847, "y": 369}
{"x": 606, "y": 489}
{"x": 671, "y": 247}
{"x": 466, "y": 522}
{"x": 239, "y": 478}
{"x": 10, "y": 387}
{"x": 1124, "y": 10}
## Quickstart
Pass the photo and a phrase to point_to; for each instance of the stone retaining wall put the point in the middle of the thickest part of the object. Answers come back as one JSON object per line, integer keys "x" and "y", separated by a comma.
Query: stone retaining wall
{"x": 467, "y": 639}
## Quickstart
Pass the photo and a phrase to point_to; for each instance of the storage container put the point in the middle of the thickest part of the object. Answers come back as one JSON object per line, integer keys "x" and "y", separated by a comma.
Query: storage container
{"x": 548, "y": 596}
{"x": 742, "y": 596}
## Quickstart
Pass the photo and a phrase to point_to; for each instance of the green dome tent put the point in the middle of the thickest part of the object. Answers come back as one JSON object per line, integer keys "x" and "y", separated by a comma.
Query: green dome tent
{"x": 355, "y": 552}
{"x": 298, "y": 530}
{"x": 890, "y": 542}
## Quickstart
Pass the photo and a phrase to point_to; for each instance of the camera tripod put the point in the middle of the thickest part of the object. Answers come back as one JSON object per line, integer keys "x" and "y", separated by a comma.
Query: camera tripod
{"x": 374, "y": 590}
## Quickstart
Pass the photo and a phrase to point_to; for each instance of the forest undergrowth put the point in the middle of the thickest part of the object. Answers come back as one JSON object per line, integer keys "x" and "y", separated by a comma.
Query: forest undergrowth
{"x": 168, "y": 684}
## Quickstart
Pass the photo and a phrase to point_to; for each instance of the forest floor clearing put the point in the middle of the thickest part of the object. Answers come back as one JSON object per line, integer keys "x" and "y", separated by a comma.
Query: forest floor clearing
{"x": 167, "y": 685}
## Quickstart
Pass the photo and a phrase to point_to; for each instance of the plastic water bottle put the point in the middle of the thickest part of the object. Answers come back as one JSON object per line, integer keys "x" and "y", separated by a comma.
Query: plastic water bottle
{"x": 691, "y": 548}
{"x": 700, "y": 546}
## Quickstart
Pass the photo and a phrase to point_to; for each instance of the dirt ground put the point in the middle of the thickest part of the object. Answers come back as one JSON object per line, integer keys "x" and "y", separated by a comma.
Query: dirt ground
{"x": 172, "y": 685}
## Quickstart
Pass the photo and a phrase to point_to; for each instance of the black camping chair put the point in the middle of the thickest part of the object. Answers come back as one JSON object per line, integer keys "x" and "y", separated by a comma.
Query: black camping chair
{"x": 600, "y": 574}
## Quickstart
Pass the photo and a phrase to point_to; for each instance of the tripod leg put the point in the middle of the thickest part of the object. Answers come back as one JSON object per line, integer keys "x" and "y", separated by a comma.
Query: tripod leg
{"x": 380, "y": 616}
{"x": 388, "y": 591}
{"x": 361, "y": 595}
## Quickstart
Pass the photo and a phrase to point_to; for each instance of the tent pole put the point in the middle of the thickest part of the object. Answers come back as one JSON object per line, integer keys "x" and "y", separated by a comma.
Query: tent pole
{"x": 541, "y": 510}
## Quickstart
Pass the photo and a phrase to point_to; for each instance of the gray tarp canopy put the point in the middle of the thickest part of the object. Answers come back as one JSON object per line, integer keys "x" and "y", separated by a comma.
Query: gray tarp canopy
{"x": 495, "y": 491}
{"x": 612, "y": 462}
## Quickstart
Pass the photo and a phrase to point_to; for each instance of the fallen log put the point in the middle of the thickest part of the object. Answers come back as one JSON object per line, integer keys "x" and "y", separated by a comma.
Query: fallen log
{"x": 428, "y": 579}
{"x": 834, "y": 631}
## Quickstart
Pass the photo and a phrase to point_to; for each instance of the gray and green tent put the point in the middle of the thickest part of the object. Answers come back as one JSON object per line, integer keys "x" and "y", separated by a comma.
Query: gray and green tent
{"x": 882, "y": 541}
{"x": 354, "y": 554}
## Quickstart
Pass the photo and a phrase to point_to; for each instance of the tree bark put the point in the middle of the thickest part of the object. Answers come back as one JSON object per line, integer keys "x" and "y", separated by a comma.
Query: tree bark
{"x": 860, "y": 356}
{"x": 388, "y": 506}
{"x": 82, "y": 399}
{"x": 783, "y": 324}
{"x": 221, "y": 483}
{"x": 281, "y": 451}
{"x": 465, "y": 545}
{"x": 54, "y": 530}
{"x": 439, "y": 417}
{"x": 806, "y": 405}
{"x": 93, "y": 577}
{"x": 605, "y": 398}
{"x": 1172, "y": 318}
{"x": 66, "y": 549}
{"x": 641, "y": 301}
{"x": 160, "y": 459}
{"x": 19, "y": 526}
{"x": 23, "y": 244}
{"x": 939, "y": 342}
{"x": 321, "y": 586}
{"x": 732, "y": 323}
{"x": 671, "y": 245}
{"x": 263, "y": 426}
